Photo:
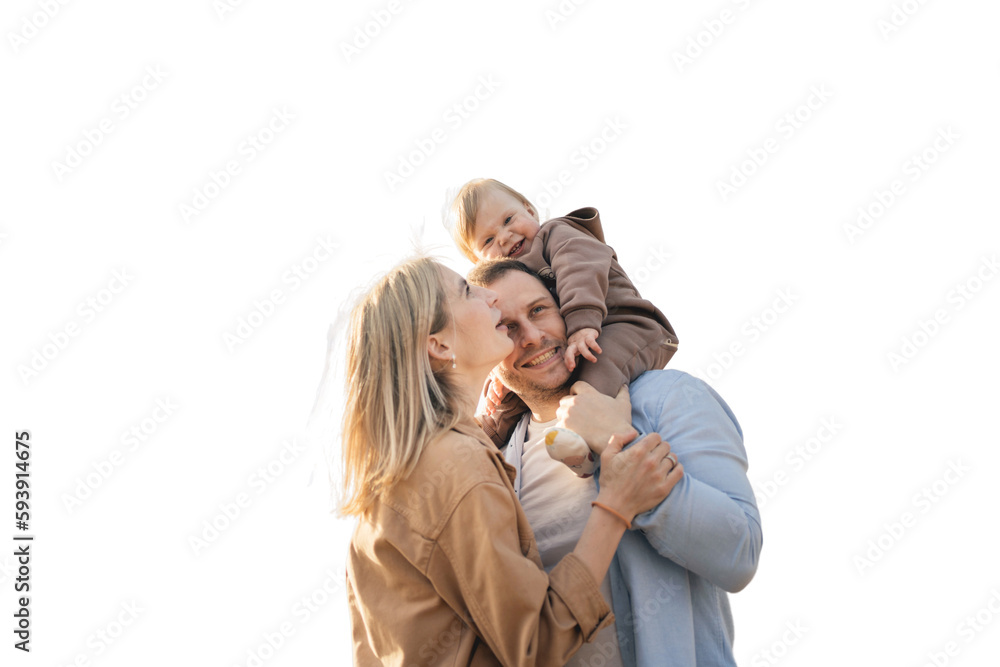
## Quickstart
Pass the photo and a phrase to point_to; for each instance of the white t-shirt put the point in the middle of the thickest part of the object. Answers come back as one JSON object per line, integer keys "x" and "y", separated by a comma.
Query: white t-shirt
{"x": 557, "y": 505}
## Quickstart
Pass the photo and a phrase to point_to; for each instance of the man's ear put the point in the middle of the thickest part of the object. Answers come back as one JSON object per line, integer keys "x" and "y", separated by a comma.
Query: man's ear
{"x": 439, "y": 348}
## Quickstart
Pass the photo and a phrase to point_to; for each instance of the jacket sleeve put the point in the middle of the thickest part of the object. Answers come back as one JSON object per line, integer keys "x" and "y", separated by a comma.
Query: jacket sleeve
{"x": 709, "y": 524}
{"x": 525, "y": 616}
{"x": 582, "y": 265}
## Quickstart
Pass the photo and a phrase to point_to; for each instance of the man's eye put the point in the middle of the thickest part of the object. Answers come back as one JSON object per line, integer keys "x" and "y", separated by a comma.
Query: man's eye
{"x": 538, "y": 309}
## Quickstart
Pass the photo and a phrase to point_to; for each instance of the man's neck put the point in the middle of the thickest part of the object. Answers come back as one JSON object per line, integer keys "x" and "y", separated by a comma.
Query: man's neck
{"x": 544, "y": 409}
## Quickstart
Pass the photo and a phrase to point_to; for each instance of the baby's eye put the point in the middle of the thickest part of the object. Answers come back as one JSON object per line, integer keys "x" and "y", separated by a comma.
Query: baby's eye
{"x": 487, "y": 242}
{"x": 508, "y": 219}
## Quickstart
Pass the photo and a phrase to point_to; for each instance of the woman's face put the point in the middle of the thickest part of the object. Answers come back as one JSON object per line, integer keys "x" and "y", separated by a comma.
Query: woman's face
{"x": 479, "y": 341}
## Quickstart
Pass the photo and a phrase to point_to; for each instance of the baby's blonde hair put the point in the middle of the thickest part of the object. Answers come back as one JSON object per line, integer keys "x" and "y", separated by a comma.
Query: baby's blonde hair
{"x": 396, "y": 403}
{"x": 465, "y": 207}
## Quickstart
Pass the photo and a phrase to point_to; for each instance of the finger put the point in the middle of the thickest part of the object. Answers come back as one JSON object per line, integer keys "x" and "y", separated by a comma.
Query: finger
{"x": 648, "y": 442}
{"x": 587, "y": 354}
{"x": 594, "y": 346}
{"x": 615, "y": 444}
{"x": 675, "y": 475}
{"x": 570, "y": 359}
{"x": 625, "y": 438}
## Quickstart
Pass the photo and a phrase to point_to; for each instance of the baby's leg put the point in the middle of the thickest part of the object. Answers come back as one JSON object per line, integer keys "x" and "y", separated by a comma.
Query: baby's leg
{"x": 627, "y": 351}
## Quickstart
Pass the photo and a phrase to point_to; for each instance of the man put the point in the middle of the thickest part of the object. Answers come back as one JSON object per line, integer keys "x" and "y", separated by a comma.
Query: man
{"x": 671, "y": 572}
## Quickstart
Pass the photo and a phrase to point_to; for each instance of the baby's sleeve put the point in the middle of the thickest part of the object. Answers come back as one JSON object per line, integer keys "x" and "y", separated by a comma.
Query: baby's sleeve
{"x": 582, "y": 265}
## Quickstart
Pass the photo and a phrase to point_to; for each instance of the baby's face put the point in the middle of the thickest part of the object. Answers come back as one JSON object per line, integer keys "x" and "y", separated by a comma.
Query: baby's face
{"x": 505, "y": 227}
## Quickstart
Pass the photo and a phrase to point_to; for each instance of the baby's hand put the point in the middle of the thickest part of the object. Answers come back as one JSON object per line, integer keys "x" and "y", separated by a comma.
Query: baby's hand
{"x": 582, "y": 342}
{"x": 495, "y": 391}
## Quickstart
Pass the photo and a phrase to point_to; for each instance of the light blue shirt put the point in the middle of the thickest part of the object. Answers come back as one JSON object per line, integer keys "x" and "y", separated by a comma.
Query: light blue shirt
{"x": 671, "y": 572}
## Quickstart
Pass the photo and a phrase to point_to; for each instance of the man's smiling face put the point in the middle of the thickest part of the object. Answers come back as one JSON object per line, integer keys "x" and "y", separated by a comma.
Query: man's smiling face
{"x": 535, "y": 369}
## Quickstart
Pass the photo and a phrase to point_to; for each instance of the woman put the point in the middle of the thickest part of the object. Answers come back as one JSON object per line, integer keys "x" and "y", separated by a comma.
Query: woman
{"x": 443, "y": 567}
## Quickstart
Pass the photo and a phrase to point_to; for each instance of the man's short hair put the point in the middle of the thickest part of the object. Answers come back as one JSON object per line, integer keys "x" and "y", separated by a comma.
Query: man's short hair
{"x": 489, "y": 271}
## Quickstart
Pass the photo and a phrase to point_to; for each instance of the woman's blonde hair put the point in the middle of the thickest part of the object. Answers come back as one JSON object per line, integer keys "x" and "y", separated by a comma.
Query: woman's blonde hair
{"x": 465, "y": 208}
{"x": 396, "y": 402}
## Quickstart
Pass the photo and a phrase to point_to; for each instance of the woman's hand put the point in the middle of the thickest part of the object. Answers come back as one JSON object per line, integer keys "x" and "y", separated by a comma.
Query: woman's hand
{"x": 639, "y": 478}
{"x": 596, "y": 417}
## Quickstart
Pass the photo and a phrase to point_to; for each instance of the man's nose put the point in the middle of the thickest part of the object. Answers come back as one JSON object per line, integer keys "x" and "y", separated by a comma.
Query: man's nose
{"x": 530, "y": 335}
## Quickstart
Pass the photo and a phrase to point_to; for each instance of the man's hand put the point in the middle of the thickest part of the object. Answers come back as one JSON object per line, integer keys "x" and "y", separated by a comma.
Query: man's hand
{"x": 584, "y": 343}
{"x": 596, "y": 417}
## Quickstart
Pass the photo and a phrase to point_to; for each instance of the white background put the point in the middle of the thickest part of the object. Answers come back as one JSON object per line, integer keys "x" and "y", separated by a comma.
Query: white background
{"x": 672, "y": 132}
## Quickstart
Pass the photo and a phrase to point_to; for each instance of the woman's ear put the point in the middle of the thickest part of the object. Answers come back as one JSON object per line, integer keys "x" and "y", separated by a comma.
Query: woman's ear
{"x": 439, "y": 348}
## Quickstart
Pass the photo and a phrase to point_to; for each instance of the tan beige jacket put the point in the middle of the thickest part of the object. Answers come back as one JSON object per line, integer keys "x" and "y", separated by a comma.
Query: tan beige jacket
{"x": 445, "y": 571}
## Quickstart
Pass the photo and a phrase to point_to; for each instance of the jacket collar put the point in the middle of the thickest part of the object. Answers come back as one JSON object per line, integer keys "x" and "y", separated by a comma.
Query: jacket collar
{"x": 468, "y": 426}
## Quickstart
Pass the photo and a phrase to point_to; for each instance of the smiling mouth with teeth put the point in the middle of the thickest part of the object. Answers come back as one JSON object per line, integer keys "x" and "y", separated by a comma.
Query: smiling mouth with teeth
{"x": 516, "y": 249}
{"x": 540, "y": 360}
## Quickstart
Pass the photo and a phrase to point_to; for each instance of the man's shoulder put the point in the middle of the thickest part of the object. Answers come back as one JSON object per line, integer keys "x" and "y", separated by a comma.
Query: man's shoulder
{"x": 651, "y": 386}
{"x": 675, "y": 396}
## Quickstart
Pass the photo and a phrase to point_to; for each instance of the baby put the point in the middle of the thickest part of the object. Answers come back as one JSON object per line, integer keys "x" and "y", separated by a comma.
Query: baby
{"x": 607, "y": 322}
